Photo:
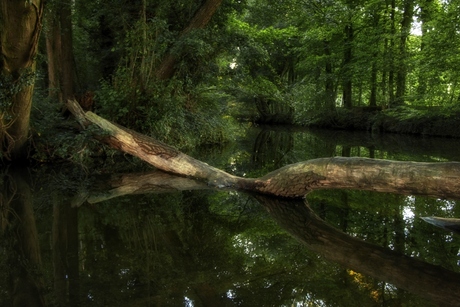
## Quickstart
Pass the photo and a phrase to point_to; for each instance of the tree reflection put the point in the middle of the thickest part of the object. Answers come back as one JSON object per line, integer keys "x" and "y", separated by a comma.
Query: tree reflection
{"x": 20, "y": 241}
{"x": 130, "y": 243}
{"x": 439, "y": 285}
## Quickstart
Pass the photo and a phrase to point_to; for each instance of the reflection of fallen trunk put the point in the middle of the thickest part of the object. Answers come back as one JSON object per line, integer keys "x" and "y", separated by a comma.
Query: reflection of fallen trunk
{"x": 435, "y": 283}
{"x": 450, "y": 224}
{"x": 126, "y": 184}
{"x": 295, "y": 180}
{"x": 426, "y": 280}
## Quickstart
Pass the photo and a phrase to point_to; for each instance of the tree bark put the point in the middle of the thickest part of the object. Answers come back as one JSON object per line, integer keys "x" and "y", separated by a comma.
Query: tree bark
{"x": 347, "y": 86}
{"x": 401, "y": 75}
{"x": 59, "y": 47}
{"x": 53, "y": 50}
{"x": 20, "y": 26}
{"x": 199, "y": 21}
{"x": 439, "y": 179}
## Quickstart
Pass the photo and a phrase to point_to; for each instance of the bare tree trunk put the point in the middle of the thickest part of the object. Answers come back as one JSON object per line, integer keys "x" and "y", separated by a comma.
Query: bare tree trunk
{"x": 329, "y": 79}
{"x": 440, "y": 179}
{"x": 53, "y": 52}
{"x": 200, "y": 20}
{"x": 20, "y": 26}
{"x": 59, "y": 47}
{"x": 347, "y": 86}
{"x": 401, "y": 75}
{"x": 67, "y": 60}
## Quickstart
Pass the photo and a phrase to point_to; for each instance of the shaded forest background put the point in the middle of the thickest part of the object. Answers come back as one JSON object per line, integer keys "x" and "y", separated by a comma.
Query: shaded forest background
{"x": 187, "y": 72}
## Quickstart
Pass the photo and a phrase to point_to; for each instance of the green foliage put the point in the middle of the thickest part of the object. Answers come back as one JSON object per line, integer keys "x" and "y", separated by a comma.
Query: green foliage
{"x": 441, "y": 121}
{"x": 184, "y": 111}
{"x": 55, "y": 139}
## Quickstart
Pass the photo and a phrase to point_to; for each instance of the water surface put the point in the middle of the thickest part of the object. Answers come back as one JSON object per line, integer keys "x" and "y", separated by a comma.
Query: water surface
{"x": 124, "y": 235}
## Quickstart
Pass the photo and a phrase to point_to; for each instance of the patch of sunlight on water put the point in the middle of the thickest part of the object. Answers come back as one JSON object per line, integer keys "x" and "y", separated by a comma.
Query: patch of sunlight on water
{"x": 408, "y": 209}
{"x": 188, "y": 302}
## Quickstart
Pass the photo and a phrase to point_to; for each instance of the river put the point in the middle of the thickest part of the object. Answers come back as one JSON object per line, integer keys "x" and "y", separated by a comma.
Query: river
{"x": 122, "y": 234}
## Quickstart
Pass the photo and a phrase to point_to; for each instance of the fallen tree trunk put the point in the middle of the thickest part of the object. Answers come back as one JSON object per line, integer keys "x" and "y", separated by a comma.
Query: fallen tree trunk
{"x": 440, "y": 179}
{"x": 433, "y": 282}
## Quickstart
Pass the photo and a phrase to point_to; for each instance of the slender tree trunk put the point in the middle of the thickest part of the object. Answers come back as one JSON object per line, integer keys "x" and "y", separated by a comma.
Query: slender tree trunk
{"x": 67, "y": 60}
{"x": 329, "y": 81}
{"x": 53, "y": 52}
{"x": 373, "y": 81}
{"x": 426, "y": 8}
{"x": 20, "y": 26}
{"x": 347, "y": 66}
{"x": 406, "y": 23}
{"x": 199, "y": 21}
{"x": 59, "y": 42}
{"x": 391, "y": 55}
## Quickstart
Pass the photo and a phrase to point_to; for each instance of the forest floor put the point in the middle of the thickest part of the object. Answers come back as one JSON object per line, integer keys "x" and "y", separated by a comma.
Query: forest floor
{"x": 435, "y": 121}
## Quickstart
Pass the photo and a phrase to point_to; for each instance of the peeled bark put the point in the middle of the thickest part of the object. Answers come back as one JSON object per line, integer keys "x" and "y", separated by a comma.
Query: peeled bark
{"x": 439, "y": 179}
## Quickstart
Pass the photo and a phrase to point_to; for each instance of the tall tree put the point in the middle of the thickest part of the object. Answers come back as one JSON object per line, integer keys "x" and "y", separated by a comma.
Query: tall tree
{"x": 401, "y": 76}
{"x": 20, "y": 26}
{"x": 59, "y": 46}
{"x": 199, "y": 21}
{"x": 347, "y": 85}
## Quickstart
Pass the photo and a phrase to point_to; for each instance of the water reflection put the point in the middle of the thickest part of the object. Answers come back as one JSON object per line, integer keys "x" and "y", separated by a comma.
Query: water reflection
{"x": 435, "y": 283}
{"x": 21, "y": 255}
{"x": 151, "y": 239}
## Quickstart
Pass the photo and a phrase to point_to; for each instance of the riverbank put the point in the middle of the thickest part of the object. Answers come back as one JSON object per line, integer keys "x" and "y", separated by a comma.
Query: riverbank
{"x": 432, "y": 121}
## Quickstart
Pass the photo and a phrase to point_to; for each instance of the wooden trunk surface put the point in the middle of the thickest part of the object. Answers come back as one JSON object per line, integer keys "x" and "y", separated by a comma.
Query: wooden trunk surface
{"x": 439, "y": 179}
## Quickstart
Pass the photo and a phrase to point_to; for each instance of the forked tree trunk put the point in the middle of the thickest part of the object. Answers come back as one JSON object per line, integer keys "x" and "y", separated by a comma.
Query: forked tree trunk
{"x": 199, "y": 21}
{"x": 440, "y": 179}
{"x": 20, "y": 25}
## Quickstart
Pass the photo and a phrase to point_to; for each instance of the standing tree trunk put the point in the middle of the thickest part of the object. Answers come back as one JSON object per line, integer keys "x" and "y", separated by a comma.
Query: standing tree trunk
{"x": 20, "y": 26}
{"x": 329, "y": 80}
{"x": 391, "y": 52}
{"x": 426, "y": 10}
{"x": 199, "y": 21}
{"x": 373, "y": 81}
{"x": 53, "y": 52}
{"x": 59, "y": 47}
{"x": 406, "y": 23}
{"x": 347, "y": 65}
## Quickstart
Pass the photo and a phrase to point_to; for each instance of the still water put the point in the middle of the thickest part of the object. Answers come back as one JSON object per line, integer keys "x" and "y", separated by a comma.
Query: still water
{"x": 76, "y": 236}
